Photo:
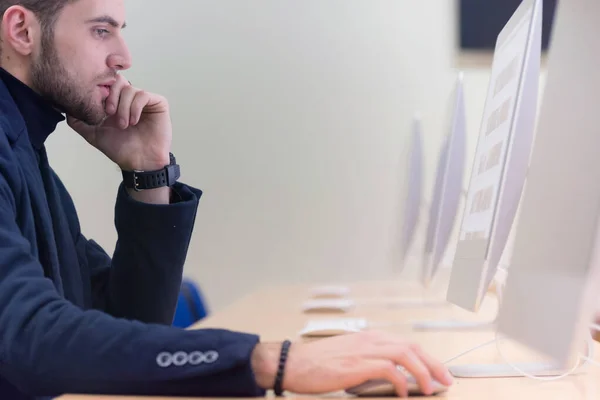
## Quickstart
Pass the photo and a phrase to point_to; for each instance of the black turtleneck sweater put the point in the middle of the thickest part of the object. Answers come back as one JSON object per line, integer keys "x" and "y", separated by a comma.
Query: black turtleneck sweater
{"x": 73, "y": 319}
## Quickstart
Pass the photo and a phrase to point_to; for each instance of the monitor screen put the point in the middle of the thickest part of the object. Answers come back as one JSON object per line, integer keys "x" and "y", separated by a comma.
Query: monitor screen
{"x": 501, "y": 160}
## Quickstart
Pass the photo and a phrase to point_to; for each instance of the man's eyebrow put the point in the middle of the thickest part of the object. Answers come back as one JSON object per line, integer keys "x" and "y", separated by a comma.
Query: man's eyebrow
{"x": 105, "y": 19}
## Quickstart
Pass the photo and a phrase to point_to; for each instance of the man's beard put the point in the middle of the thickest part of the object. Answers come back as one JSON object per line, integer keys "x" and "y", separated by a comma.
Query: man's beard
{"x": 51, "y": 80}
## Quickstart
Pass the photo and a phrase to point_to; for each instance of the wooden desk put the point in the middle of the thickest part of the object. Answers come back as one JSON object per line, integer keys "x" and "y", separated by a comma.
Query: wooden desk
{"x": 275, "y": 314}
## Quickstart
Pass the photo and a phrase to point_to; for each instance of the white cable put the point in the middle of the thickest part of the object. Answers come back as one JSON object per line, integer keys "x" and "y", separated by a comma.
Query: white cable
{"x": 497, "y": 339}
{"x": 590, "y": 358}
{"x": 590, "y": 348}
{"x": 470, "y": 350}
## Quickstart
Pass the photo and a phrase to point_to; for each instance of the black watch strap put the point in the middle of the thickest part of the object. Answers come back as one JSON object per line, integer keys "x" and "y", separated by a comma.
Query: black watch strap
{"x": 144, "y": 180}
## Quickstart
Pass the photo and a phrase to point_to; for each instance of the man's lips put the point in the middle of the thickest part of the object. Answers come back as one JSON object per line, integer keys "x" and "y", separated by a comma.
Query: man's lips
{"x": 105, "y": 87}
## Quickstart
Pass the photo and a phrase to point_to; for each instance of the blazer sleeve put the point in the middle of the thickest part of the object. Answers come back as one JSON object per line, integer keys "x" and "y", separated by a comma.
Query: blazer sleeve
{"x": 143, "y": 279}
{"x": 48, "y": 346}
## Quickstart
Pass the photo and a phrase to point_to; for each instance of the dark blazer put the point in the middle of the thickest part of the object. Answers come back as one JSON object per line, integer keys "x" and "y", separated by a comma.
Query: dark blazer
{"x": 73, "y": 319}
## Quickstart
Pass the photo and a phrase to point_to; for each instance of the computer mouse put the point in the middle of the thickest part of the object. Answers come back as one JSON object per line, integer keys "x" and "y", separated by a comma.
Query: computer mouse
{"x": 380, "y": 388}
{"x": 333, "y": 327}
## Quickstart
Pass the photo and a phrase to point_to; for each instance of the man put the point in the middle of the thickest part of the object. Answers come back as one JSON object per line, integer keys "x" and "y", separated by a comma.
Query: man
{"x": 71, "y": 318}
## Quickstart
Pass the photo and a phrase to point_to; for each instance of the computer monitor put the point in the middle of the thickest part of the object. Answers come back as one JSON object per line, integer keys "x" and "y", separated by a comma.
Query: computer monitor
{"x": 502, "y": 157}
{"x": 414, "y": 189}
{"x": 448, "y": 189}
{"x": 553, "y": 281}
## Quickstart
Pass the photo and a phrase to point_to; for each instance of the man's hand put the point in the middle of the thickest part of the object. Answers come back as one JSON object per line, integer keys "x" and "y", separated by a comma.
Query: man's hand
{"x": 341, "y": 362}
{"x": 136, "y": 134}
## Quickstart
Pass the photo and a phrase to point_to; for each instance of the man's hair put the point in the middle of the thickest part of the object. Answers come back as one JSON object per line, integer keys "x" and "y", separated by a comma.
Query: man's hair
{"x": 46, "y": 11}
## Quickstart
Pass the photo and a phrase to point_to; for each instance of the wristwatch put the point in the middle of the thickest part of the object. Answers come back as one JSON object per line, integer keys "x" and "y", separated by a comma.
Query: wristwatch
{"x": 144, "y": 180}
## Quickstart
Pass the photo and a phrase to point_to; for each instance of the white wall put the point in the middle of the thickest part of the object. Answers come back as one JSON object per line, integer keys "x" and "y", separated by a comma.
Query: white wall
{"x": 293, "y": 117}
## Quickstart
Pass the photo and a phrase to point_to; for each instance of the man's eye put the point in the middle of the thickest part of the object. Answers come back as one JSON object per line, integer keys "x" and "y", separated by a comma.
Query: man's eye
{"x": 101, "y": 32}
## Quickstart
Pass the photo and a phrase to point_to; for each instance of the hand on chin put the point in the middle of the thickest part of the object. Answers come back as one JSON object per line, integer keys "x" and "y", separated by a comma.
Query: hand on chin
{"x": 136, "y": 132}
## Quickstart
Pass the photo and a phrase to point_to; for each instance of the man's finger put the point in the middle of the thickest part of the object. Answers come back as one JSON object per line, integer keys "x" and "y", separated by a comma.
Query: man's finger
{"x": 438, "y": 370}
{"x": 112, "y": 101}
{"x": 127, "y": 97}
{"x": 387, "y": 371}
{"x": 393, "y": 348}
{"x": 412, "y": 363}
{"x": 137, "y": 106}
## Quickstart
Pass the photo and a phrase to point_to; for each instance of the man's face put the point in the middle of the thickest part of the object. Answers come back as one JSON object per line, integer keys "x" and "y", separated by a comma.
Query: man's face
{"x": 76, "y": 66}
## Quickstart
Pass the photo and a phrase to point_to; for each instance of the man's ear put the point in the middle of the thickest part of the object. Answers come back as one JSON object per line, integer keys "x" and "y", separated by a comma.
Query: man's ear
{"x": 20, "y": 30}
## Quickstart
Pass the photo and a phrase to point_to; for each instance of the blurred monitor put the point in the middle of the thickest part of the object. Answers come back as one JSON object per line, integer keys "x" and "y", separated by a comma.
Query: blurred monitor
{"x": 502, "y": 157}
{"x": 414, "y": 189}
{"x": 448, "y": 189}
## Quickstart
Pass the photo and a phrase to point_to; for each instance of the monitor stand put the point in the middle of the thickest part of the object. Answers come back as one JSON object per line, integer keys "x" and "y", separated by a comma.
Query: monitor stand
{"x": 458, "y": 325}
{"x": 504, "y": 370}
{"x": 541, "y": 370}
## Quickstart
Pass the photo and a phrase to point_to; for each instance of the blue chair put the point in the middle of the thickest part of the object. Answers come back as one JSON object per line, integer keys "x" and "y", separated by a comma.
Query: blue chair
{"x": 190, "y": 305}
